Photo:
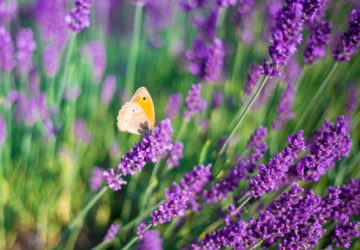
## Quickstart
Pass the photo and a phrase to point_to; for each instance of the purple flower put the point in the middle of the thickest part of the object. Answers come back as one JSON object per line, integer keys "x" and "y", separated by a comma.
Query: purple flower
{"x": 286, "y": 36}
{"x": 226, "y": 3}
{"x": 111, "y": 232}
{"x": 51, "y": 59}
{"x": 71, "y": 93}
{"x": 182, "y": 196}
{"x": 151, "y": 241}
{"x": 188, "y": 5}
{"x": 273, "y": 175}
{"x": 7, "y": 51}
{"x": 350, "y": 40}
{"x": 206, "y": 26}
{"x": 284, "y": 110}
{"x": 252, "y": 78}
{"x": 194, "y": 103}
{"x": 96, "y": 179}
{"x": 214, "y": 61}
{"x": 80, "y": 131}
{"x": 108, "y": 89}
{"x": 173, "y": 106}
{"x": 3, "y": 131}
{"x": 34, "y": 82}
{"x": 31, "y": 110}
{"x": 318, "y": 40}
{"x": 151, "y": 147}
{"x": 313, "y": 9}
{"x": 245, "y": 7}
{"x": 141, "y": 229}
{"x": 79, "y": 17}
{"x": 217, "y": 99}
{"x": 330, "y": 144}
{"x": 352, "y": 100}
{"x": 95, "y": 51}
{"x": 344, "y": 233}
{"x": 176, "y": 154}
{"x": 8, "y": 10}
{"x": 26, "y": 46}
{"x": 114, "y": 182}
{"x": 257, "y": 139}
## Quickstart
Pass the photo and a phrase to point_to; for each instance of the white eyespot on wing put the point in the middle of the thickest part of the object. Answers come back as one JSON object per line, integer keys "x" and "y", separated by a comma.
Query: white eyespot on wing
{"x": 132, "y": 119}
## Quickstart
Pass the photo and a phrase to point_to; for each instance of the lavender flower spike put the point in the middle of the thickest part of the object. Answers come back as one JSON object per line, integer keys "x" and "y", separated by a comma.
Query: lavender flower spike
{"x": 111, "y": 233}
{"x": 3, "y": 131}
{"x": 173, "y": 106}
{"x": 151, "y": 241}
{"x": 214, "y": 61}
{"x": 108, "y": 89}
{"x": 330, "y": 144}
{"x": 25, "y": 48}
{"x": 350, "y": 40}
{"x": 95, "y": 51}
{"x": 114, "y": 181}
{"x": 194, "y": 103}
{"x": 96, "y": 179}
{"x": 252, "y": 78}
{"x": 148, "y": 150}
{"x": 176, "y": 154}
{"x": 317, "y": 42}
{"x": 7, "y": 58}
{"x": 271, "y": 176}
{"x": 79, "y": 17}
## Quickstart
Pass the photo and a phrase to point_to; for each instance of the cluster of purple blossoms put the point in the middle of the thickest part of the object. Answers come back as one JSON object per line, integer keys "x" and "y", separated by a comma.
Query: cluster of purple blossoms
{"x": 151, "y": 240}
{"x": 286, "y": 36}
{"x": 31, "y": 109}
{"x": 108, "y": 89}
{"x": 3, "y": 131}
{"x": 8, "y": 10}
{"x": 206, "y": 59}
{"x": 350, "y": 40}
{"x": 318, "y": 40}
{"x": 173, "y": 105}
{"x": 330, "y": 144}
{"x": 230, "y": 182}
{"x": 274, "y": 174}
{"x": 284, "y": 110}
{"x": 113, "y": 180}
{"x": 313, "y": 9}
{"x": 79, "y": 17}
{"x": 7, "y": 51}
{"x": 176, "y": 154}
{"x": 26, "y": 46}
{"x": 188, "y": 5}
{"x": 294, "y": 220}
{"x": 96, "y": 179}
{"x": 96, "y": 52}
{"x": 149, "y": 149}
{"x": 111, "y": 232}
{"x": 217, "y": 99}
{"x": 182, "y": 196}
{"x": 344, "y": 233}
{"x": 252, "y": 78}
{"x": 51, "y": 60}
{"x": 194, "y": 103}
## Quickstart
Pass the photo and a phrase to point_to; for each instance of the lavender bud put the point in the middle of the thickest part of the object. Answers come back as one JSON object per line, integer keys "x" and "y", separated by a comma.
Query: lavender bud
{"x": 26, "y": 46}
{"x": 111, "y": 232}
{"x": 7, "y": 51}
{"x": 318, "y": 40}
{"x": 173, "y": 106}
{"x": 151, "y": 240}
{"x": 194, "y": 103}
{"x": 3, "y": 131}
{"x": 79, "y": 17}
{"x": 176, "y": 154}
{"x": 108, "y": 89}
{"x": 96, "y": 179}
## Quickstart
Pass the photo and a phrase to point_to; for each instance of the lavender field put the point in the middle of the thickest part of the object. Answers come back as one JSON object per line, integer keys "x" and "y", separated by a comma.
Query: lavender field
{"x": 246, "y": 135}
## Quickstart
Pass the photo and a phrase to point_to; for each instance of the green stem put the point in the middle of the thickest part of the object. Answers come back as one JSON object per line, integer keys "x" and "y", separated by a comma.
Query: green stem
{"x": 257, "y": 244}
{"x": 243, "y": 112}
{"x": 315, "y": 98}
{"x": 236, "y": 63}
{"x": 2, "y": 226}
{"x": 182, "y": 129}
{"x": 134, "y": 49}
{"x": 151, "y": 186}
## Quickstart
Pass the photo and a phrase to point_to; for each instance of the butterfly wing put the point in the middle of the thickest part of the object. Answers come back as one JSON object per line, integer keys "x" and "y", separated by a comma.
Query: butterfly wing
{"x": 142, "y": 97}
{"x": 132, "y": 119}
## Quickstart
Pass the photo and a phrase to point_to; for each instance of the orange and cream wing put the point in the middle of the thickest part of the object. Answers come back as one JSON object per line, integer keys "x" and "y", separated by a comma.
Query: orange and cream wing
{"x": 143, "y": 98}
{"x": 132, "y": 119}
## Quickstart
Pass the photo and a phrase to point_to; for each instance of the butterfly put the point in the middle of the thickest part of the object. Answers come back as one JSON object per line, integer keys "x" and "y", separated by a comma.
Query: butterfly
{"x": 138, "y": 115}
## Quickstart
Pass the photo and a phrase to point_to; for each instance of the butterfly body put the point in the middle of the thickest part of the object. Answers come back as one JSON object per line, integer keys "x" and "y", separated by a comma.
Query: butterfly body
{"x": 138, "y": 115}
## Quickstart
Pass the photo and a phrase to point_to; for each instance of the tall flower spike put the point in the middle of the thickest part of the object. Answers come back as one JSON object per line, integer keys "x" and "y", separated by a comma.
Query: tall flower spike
{"x": 194, "y": 103}
{"x": 95, "y": 51}
{"x": 151, "y": 147}
{"x": 114, "y": 181}
{"x": 344, "y": 234}
{"x": 318, "y": 40}
{"x": 26, "y": 46}
{"x": 252, "y": 78}
{"x": 3, "y": 131}
{"x": 330, "y": 144}
{"x": 96, "y": 179}
{"x": 182, "y": 196}
{"x": 111, "y": 233}
{"x": 176, "y": 154}
{"x": 7, "y": 51}
{"x": 352, "y": 100}
{"x": 350, "y": 41}
{"x": 313, "y": 9}
{"x": 214, "y": 61}
{"x": 271, "y": 176}
{"x": 172, "y": 108}
{"x": 108, "y": 89}
{"x": 79, "y": 17}
{"x": 151, "y": 241}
